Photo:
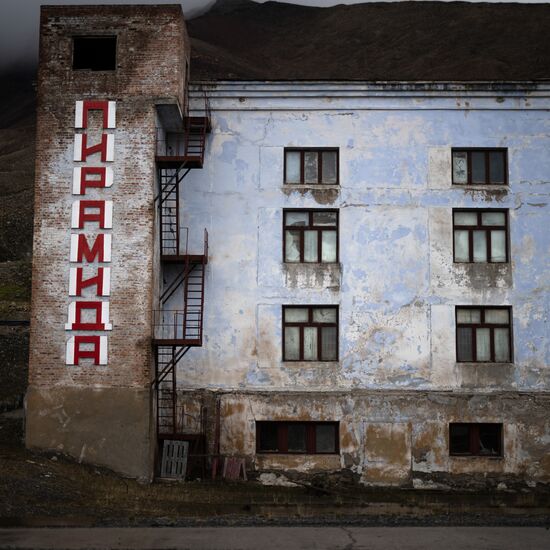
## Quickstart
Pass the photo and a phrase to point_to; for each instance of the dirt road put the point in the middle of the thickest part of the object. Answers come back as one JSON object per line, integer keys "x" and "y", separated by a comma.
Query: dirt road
{"x": 268, "y": 538}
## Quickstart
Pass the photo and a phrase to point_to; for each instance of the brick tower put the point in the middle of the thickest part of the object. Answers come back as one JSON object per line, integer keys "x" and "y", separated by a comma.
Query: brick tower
{"x": 108, "y": 77}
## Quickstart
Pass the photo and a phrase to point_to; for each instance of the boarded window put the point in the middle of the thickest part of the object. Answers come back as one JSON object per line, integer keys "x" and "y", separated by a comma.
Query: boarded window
{"x": 95, "y": 53}
{"x": 297, "y": 437}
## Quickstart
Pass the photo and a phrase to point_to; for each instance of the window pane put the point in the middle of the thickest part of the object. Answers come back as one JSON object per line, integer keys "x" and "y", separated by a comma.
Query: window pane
{"x": 468, "y": 316}
{"x": 325, "y": 438}
{"x": 498, "y": 246}
{"x": 489, "y": 439}
{"x": 292, "y": 343}
{"x": 292, "y": 167}
{"x": 324, "y": 315}
{"x": 478, "y": 167}
{"x": 493, "y": 218}
{"x": 310, "y": 167}
{"x": 480, "y": 246}
{"x": 496, "y": 166}
{"x": 292, "y": 246}
{"x": 310, "y": 246}
{"x": 310, "y": 343}
{"x": 498, "y": 316}
{"x": 297, "y": 218}
{"x": 483, "y": 344}
{"x": 462, "y": 247}
{"x": 502, "y": 345}
{"x": 329, "y": 347}
{"x": 465, "y": 218}
{"x": 329, "y": 166}
{"x": 296, "y": 315}
{"x": 324, "y": 218}
{"x": 460, "y": 168}
{"x": 464, "y": 344}
{"x": 296, "y": 438}
{"x": 328, "y": 246}
{"x": 459, "y": 438}
{"x": 268, "y": 436}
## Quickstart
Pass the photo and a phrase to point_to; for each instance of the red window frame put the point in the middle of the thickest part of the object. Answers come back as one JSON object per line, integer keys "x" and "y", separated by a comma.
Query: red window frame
{"x": 319, "y": 151}
{"x": 480, "y": 227}
{"x": 474, "y": 431}
{"x": 312, "y": 227}
{"x": 487, "y": 151}
{"x": 490, "y": 326}
{"x": 282, "y": 437}
{"x": 311, "y": 323}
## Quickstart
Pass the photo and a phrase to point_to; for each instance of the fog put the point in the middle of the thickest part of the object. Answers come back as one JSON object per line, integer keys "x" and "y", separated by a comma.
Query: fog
{"x": 19, "y": 21}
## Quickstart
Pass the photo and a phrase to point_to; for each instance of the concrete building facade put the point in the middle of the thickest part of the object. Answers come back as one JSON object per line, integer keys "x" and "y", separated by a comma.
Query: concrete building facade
{"x": 370, "y": 294}
{"x": 397, "y": 383}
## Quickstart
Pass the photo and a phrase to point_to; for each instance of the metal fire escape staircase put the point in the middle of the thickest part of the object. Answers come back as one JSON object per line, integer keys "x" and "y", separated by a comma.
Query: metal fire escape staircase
{"x": 176, "y": 331}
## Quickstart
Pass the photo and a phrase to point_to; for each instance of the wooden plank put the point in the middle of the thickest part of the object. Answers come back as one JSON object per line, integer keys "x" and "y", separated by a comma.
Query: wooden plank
{"x": 232, "y": 468}
{"x": 174, "y": 459}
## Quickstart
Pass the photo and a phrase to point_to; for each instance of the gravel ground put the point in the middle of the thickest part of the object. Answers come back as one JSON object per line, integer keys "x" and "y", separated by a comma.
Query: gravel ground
{"x": 50, "y": 490}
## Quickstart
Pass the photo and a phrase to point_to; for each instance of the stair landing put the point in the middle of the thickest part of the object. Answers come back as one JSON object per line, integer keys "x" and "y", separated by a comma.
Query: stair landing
{"x": 191, "y": 342}
{"x": 184, "y": 258}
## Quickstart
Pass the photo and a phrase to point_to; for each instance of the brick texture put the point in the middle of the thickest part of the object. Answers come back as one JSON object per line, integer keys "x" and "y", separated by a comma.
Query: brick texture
{"x": 152, "y": 52}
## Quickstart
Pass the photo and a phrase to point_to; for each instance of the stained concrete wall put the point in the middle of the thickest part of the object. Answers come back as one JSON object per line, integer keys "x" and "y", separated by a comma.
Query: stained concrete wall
{"x": 399, "y": 437}
{"x": 396, "y": 284}
{"x": 101, "y": 414}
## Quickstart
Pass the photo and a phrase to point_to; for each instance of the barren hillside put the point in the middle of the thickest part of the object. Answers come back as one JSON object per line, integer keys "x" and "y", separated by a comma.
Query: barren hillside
{"x": 376, "y": 41}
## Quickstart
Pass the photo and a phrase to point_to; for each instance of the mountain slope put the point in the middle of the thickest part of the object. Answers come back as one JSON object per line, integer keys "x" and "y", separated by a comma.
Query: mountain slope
{"x": 375, "y": 41}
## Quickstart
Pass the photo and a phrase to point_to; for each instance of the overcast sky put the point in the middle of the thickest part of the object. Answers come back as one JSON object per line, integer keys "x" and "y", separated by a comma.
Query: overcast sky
{"x": 19, "y": 21}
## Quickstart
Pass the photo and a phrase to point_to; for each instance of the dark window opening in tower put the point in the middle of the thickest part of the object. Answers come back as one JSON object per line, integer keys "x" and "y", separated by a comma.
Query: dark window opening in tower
{"x": 94, "y": 53}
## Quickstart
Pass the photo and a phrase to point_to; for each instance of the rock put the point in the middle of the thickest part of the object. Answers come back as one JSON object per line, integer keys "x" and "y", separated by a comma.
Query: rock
{"x": 274, "y": 479}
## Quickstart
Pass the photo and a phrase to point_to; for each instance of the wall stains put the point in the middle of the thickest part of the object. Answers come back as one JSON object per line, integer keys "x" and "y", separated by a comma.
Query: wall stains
{"x": 397, "y": 383}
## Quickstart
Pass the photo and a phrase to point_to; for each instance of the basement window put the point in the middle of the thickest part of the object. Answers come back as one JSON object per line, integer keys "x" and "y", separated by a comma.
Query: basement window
{"x": 310, "y": 236}
{"x": 94, "y": 53}
{"x": 297, "y": 437}
{"x": 310, "y": 333}
{"x": 480, "y": 167}
{"x": 311, "y": 166}
{"x": 475, "y": 439}
{"x": 480, "y": 236}
{"x": 483, "y": 334}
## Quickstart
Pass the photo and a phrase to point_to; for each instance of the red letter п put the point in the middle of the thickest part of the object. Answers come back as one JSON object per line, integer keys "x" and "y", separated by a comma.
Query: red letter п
{"x": 83, "y": 107}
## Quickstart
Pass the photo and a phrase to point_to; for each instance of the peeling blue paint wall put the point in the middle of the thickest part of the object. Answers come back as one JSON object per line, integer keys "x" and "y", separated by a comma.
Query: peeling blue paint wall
{"x": 396, "y": 285}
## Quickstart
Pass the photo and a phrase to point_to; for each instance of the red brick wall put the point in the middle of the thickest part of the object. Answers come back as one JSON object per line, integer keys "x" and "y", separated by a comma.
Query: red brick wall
{"x": 152, "y": 47}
